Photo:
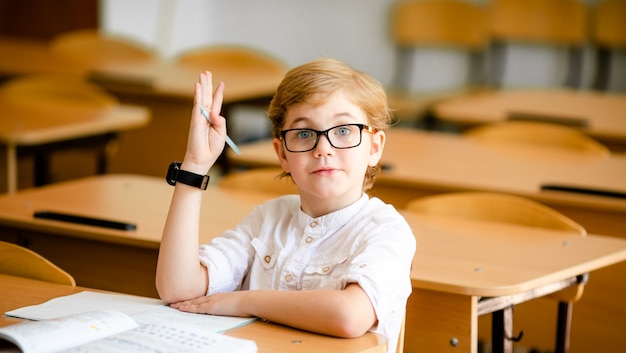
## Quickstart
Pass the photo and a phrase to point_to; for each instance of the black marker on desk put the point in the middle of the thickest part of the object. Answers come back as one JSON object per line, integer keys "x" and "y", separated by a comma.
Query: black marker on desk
{"x": 72, "y": 218}
{"x": 584, "y": 190}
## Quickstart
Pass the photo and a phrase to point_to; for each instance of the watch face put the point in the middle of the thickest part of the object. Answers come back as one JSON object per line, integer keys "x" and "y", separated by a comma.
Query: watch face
{"x": 172, "y": 171}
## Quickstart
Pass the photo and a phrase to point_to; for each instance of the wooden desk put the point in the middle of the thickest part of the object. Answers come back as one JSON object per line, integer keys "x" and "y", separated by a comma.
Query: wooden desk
{"x": 600, "y": 115}
{"x": 123, "y": 261}
{"x": 457, "y": 262}
{"x": 18, "y": 292}
{"x": 167, "y": 89}
{"x": 421, "y": 163}
{"x": 23, "y": 129}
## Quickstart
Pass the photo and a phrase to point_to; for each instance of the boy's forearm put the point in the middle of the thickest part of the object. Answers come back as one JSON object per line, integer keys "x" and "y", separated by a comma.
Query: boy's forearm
{"x": 342, "y": 313}
{"x": 179, "y": 274}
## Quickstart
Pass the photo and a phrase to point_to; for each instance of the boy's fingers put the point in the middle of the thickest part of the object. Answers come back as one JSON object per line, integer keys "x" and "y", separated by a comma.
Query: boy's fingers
{"x": 218, "y": 98}
{"x": 207, "y": 89}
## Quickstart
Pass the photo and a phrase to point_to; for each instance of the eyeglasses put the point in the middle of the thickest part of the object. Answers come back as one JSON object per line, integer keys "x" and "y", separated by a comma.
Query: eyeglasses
{"x": 340, "y": 137}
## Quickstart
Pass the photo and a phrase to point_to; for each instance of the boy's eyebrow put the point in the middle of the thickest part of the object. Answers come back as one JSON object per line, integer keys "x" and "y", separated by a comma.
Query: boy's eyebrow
{"x": 335, "y": 116}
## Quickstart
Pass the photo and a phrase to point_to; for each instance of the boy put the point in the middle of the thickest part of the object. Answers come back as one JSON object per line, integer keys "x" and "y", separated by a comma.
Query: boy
{"x": 330, "y": 260}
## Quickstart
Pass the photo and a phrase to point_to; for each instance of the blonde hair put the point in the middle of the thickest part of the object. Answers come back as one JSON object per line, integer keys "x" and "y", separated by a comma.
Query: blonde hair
{"x": 314, "y": 82}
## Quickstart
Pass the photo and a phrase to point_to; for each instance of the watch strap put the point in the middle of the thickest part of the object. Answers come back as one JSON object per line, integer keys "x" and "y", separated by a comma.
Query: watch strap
{"x": 175, "y": 174}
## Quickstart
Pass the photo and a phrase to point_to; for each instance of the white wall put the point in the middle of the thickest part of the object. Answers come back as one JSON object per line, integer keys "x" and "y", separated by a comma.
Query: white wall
{"x": 297, "y": 31}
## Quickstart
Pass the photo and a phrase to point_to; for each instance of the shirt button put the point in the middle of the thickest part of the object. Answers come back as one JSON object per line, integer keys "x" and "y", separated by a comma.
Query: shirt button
{"x": 288, "y": 278}
{"x": 326, "y": 269}
{"x": 362, "y": 265}
{"x": 267, "y": 259}
{"x": 308, "y": 239}
{"x": 313, "y": 224}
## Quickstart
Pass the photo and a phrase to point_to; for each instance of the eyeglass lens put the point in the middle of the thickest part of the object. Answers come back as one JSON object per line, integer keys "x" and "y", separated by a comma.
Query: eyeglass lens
{"x": 343, "y": 136}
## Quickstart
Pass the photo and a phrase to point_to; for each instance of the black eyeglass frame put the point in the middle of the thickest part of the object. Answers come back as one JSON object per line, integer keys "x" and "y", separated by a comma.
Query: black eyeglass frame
{"x": 319, "y": 133}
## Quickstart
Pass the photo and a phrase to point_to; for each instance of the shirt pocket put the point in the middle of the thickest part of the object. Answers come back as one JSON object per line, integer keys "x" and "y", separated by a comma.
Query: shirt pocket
{"x": 265, "y": 254}
{"x": 263, "y": 274}
{"x": 326, "y": 274}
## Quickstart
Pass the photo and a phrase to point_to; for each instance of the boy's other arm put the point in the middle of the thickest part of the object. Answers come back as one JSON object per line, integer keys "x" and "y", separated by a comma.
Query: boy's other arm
{"x": 341, "y": 313}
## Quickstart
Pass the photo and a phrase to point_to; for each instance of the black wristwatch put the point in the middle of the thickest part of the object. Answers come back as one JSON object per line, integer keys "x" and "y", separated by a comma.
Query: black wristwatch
{"x": 175, "y": 174}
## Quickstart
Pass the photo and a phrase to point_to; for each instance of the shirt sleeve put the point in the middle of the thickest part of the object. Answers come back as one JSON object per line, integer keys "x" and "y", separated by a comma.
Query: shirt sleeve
{"x": 228, "y": 257}
{"x": 382, "y": 263}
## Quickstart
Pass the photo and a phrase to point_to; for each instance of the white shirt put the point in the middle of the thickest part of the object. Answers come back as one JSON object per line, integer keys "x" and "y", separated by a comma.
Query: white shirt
{"x": 279, "y": 247}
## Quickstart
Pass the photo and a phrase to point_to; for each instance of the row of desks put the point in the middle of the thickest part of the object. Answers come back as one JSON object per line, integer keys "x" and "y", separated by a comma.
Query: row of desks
{"x": 446, "y": 283}
{"x": 155, "y": 96}
{"x": 418, "y": 163}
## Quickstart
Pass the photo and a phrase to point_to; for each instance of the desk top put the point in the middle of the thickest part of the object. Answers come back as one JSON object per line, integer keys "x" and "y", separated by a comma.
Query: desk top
{"x": 142, "y": 200}
{"x": 26, "y": 129}
{"x": 490, "y": 259}
{"x": 601, "y": 115}
{"x": 447, "y": 162}
{"x": 19, "y": 292}
{"x": 512, "y": 258}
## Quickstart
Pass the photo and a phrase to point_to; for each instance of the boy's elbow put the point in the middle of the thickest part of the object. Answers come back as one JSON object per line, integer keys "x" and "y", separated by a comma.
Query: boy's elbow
{"x": 167, "y": 294}
{"x": 172, "y": 294}
{"x": 349, "y": 325}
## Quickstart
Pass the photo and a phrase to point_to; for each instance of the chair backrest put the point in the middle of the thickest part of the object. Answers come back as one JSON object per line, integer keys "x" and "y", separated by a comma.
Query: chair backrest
{"x": 609, "y": 36}
{"x": 92, "y": 48}
{"x": 555, "y": 21}
{"x": 456, "y": 23}
{"x": 609, "y": 23}
{"x": 231, "y": 58}
{"x": 438, "y": 43}
{"x": 19, "y": 261}
{"x": 259, "y": 179}
{"x": 537, "y": 43}
{"x": 495, "y": 207}
{"x": 538, "y": 134}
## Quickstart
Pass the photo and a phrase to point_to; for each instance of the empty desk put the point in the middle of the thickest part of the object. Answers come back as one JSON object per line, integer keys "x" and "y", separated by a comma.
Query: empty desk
{"x": 598, "y": 114}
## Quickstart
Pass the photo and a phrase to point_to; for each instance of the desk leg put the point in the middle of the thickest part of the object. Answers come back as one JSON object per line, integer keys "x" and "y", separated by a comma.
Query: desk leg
{"x": 11, "y": 168}
{"x": 441, "y": 322}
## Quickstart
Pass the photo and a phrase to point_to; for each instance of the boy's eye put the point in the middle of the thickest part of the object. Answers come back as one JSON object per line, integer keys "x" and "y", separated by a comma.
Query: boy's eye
{"x": 342, "y": 130}
{"x": 304, "y": 134}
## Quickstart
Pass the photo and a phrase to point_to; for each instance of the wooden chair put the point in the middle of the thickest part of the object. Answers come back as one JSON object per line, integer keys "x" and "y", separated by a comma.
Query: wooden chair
{"x": 418, "y": 26}
{"x": 504, "y": 208}
{"x": 555, "y": 27}
{"x": 93, "y": 48}
{"x": 50, "y": 96}
{"x": 609, "y": 37}
{"x": 19, "y": 261}
{"x": 259, "y": 179}
{"x": 537, "y": 134}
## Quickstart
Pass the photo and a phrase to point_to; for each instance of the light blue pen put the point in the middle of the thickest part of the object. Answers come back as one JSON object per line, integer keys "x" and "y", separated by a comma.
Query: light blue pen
{"x": 229, "y": 141}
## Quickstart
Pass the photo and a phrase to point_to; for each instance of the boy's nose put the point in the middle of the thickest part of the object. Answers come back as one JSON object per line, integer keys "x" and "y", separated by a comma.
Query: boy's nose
{"x": 323, "y": 146}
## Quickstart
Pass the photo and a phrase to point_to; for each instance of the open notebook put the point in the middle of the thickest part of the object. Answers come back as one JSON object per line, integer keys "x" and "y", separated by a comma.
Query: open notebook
{"x": 101, "y": 322}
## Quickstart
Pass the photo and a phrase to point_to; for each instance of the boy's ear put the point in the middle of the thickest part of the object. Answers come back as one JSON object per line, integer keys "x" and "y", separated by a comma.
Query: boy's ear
{"x": 378, "y": 144}
{"x": 279, "y": 148}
